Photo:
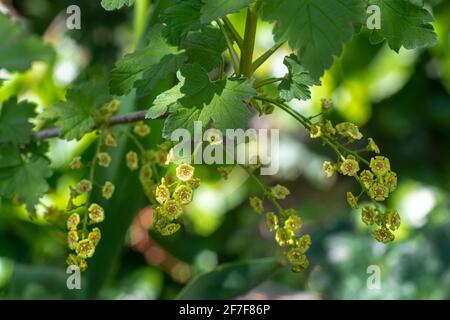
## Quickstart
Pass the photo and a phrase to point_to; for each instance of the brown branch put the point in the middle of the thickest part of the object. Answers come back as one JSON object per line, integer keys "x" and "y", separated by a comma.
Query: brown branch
{"x": 117, "y": 120}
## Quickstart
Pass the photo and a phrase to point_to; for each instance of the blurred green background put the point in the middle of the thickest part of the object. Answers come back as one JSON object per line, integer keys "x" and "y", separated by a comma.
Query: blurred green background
{"x": 401, "y": 100}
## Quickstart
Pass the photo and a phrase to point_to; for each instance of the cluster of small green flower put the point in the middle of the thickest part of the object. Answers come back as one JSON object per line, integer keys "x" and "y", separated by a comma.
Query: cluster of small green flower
{"x": 171, "y": 197}
{"x": 377, "y": 181}
{"x": 286, "y": 225}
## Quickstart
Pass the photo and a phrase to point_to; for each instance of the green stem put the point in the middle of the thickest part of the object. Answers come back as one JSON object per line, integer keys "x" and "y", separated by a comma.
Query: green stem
{"x": 262, "y": 83}
{"x": 91, "y": 178}
{"x": 246, "y": 66}
{"x": 233, "y": 53}
{"x": 141, "y": 17}
{"x": 236, "y": 36}
{"x": 259, "y": 62}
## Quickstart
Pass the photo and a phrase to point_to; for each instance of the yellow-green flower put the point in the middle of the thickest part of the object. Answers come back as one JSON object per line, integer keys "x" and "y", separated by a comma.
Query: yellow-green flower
{"x": 372, "y": 146}
{"x": 349, "y": 130}
{"x": 73, "y": 221}
{"x": 94, "y": 236}
{"x": 162, "y": 193}
{"x": 108, "y": 190}
{"x": 132, "y": 160}
{"x": 368, "y": 215}
{"x": 185, "y": 172}
{"x": 394, "y": 220}
{"x": 326, "y": 104}
{"x": 383, "y": 235}
{"x": 72, "y": 239}
{"x": 328, "y": 128}
{"x": 224, "y": 172}
{"x": 194, "y": 183}
{"x": 378, "y": 192}
{"x": 141, "y": 129}
{"x": 84, "y": 186}
{"x": 328, "y": 169}
{"x": 349, "y": 167}
{"x": 366, "y": 178}
{"x": 85, "y": 249}
{"x": 170, "y": 229}
{"x": 110, "y": 140}
{"x": 304, "y": 242}
{"x": 280, "y": 192}
{"x": 104, "y": 159}
{"x": 316, "y": 131}
{"x": 284, "y": 237}
{"x": 173, "y": 210}
{"x": 380, "y": 165}
{"x": 214, "y": 136}
{"x": 271, "y": 221}
{"x": 96, "y": 213}
{"x": 76, "y": 163}
{"x": 390, "y": 179}
{"x": 295, "y": 256}
{"x": 257, "y": 204}
{"x": 352, "y": 200}
{"x": 183, "y": 194}
{"x": 294, "y": 223}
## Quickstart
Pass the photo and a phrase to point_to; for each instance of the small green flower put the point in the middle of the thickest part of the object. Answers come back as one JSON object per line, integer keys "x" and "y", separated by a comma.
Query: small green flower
{"x": 214, "y": 136}
{"x": 304, "y": 242}
{"x": 372, "y": 146}
{"x": 349, "y": 130}
{"x": 366, "y": 178}
{"x": 328, "y": 128}
{"x": 284, "y": 237}
{"x": 72, "y": 239}
{"x": 257, "y": 204}
{"x": 76, "y": 163}
{"x": 94, "y": 236}
{"x": 132, "y": 160}
{"x": 349, "y": 167}
{"x": 84, "y": 186}
{"x": 104, "y": 159}
{"x": 316, "y": 131}
{"x": 383, "y": 235}
{"x": 72, "y": 260}
{"x": 108, "y": 190}
{"x": 194, "y": 183}
{"x": 73, "y": 221}
{"x": 394, "y": 220}
{"x": 326, "y": 104}
{"x": 294, "y": 223}
{"x": 380, "y": 165}
{"x": 381, "y": 219}
{"x": 378, "y": 191}
{"x": 185, "y": 172}
{"x": 141, "y": 129}
{"x": 271, "y": 221}
{"x": 170, "y": 229}
{"x": 162, "y": 193}
{"x": 304, "y": 264}
{"x": 85, "y": 249}
{"x": 328, "y": 169}
{"x": 295, "y": 256}
{"x": 173, "y": 210}
{"x": 280, "y": 192}
{"x": 352, "y": 200}
{"x": 110, "y": 140}
{"x": 368, "y": 215}
{"x": 146, "y": 173}
{"x": 96, "y": 213}
{"x": 183, "y": 194}
{"x": 390, "y": 179}
{"x": 113, "y": 106}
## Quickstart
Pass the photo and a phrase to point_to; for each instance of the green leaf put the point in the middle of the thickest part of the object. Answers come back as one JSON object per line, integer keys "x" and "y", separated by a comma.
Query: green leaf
{"x": 169, "y": 64}
{"x": 205, "y": 47}
{"x": 17, "y": 49}
{"x": 227, "y": 108}
{"x": 164, "y": 101}
{"x": 229, "y": 281}
{"x": 318, "y": 29}
{"x": 14, "y": 121}
{"x": 404, "y": 24}
{"x": 9, "y": 156}
{"x": 297, "y": 82}
{"x": 181, "y": 18}
{"x": 215, "y": 9}
{"x": 28, "y": 180}
{"x": 76, "y": 115}
{"x": 116, "y": 4}
{"x": 132, "y": 67}
{"x": 198, "y": 89}
{"x": 181, "y": 118}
